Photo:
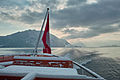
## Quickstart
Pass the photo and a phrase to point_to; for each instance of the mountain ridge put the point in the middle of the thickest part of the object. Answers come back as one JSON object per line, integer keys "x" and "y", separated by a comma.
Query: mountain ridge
{"x": 28, "y": 38}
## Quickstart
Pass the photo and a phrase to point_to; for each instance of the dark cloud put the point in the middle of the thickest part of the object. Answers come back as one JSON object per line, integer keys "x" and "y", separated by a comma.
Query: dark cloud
{"x": 75, "y": 2}
{"x": 89, "y": 15}
{"x": 31, "y": 17}
{"x": 9, "y": 4}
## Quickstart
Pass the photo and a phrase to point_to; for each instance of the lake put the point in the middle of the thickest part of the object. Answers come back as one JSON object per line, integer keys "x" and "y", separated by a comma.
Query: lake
{"x": 104, "y": 61}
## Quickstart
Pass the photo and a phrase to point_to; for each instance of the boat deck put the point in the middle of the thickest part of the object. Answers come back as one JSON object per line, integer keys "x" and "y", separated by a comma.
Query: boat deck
{"x": 9, "y": 69}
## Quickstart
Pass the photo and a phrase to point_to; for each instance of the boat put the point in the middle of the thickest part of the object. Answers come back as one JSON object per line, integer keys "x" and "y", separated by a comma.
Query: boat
{"x": 43, "y": 66}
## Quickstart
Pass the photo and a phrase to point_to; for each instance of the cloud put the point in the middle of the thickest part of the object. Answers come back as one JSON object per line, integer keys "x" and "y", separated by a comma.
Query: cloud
{"x": 89, "y": 15}
{"x": 10, "y": 4}
{"x": 91, "y": 1}
{"x": 30, "y": 11}
{"x": 75, "y": 2}
{"x": 96, "y": 15}
{"x": 6, "y": 16}
{"x": 30, "y": 17}
{"x": 82, "y": 34}
{"x": 90, "y": 32}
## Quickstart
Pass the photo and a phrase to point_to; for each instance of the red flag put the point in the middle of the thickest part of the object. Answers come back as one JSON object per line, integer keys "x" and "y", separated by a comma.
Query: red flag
{"x": 46, "y": 39}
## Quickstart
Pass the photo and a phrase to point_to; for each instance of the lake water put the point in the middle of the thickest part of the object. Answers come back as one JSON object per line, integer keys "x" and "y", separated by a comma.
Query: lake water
{"x": 107, "y": 63}
{"x": 104, "y": 61}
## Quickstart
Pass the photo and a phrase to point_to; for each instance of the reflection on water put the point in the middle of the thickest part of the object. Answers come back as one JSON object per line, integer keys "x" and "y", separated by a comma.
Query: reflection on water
{"x": 104, "y": 61}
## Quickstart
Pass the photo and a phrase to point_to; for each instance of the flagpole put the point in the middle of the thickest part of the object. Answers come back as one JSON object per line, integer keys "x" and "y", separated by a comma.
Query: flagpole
{"x": 40, "y": 32}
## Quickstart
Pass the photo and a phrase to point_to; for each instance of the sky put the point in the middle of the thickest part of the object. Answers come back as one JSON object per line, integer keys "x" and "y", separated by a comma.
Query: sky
{"x": 92, "y": 22}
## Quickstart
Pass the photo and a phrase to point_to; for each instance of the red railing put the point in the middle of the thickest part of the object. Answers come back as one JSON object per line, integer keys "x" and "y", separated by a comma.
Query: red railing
{"x": 4, "y": 58}
{"x": 44, "y": 63}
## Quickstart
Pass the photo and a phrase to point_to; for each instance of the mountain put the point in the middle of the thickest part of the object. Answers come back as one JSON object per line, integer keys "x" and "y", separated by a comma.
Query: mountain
{"x": 28, "y": 38}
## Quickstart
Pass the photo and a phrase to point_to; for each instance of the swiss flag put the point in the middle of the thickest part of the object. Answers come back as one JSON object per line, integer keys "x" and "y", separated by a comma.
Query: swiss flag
{"x": 46, "y": 38}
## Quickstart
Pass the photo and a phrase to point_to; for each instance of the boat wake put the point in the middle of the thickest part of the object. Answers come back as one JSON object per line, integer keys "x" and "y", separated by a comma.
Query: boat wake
{"x": 80, "y": 56}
